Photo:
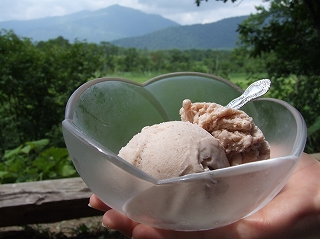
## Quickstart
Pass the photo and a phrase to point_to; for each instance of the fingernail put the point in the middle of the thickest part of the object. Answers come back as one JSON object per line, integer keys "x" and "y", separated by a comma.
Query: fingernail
{"x": 89, "y": 205}
{"x": 103, "y": 225}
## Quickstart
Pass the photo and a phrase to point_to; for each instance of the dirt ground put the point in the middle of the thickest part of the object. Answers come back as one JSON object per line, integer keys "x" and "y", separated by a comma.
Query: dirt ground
{"x": 78, "y": 228}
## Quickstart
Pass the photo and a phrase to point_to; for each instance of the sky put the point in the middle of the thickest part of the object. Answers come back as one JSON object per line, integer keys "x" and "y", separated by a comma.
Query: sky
{"x": 184, "y": 12}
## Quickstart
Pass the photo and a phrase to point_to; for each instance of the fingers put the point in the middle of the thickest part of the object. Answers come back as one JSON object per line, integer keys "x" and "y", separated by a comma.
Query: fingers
{"x": 96, "y": 203}
{"x": 145, "y": 232}
{"x": 119, "y": 222}
{"x": 113, "y": 219}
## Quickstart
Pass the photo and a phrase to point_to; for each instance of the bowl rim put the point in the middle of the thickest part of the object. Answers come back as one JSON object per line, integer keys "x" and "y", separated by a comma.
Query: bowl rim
{"x": 229, "y": 171}
{"x": 76, "y": 94}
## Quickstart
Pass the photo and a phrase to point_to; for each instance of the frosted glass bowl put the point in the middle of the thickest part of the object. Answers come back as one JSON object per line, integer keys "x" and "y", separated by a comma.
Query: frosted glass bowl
{"x": 103, "y": 114}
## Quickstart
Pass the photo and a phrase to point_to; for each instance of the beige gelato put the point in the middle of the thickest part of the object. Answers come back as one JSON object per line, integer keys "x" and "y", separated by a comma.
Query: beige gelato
{"x": 209, "y": 137}
{"x": 173, "y": 149}
{"x": 242, "y": 140}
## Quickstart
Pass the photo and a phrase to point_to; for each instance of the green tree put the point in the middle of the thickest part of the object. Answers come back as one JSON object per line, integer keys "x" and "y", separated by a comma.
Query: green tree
{"x": 20, "y": 101}
{"x": 158, "y": 60}
{"x": 36, "y": 81}
{"x": 131, "y": 59}
{"x": 286, "y": 38}
{"x": 178, "y": 61}
{"x": 108, "y": 57}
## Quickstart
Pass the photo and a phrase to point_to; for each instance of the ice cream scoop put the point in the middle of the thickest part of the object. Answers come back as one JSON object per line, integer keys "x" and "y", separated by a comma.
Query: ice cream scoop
{"x": 173, "y": 149}
{"x": 242, "y": 140}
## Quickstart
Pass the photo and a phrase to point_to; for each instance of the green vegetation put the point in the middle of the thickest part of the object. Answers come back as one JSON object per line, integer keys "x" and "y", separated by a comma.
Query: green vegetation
{"x": 34, "y": 161}
{"x": 37, "y": 79}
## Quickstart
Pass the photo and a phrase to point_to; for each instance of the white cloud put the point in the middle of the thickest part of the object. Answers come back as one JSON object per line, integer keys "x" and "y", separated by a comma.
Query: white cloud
{"x": 184, "y": 12}
{"x": 188, "y": 13}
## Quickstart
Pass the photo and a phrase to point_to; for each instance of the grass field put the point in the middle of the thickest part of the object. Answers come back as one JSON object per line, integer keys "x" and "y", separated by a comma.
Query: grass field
{"x": 239, "y": 79}
{"x": 137, "y": 77}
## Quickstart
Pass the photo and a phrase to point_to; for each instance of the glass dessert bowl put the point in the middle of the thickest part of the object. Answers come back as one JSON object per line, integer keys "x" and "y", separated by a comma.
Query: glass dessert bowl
{"x": 104, "y": 114}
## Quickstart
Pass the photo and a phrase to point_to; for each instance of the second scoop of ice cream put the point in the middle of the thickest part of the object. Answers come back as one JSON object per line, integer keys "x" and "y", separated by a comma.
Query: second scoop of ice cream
{"x": 242, "y": 140}
{"x": 173, "y": 149}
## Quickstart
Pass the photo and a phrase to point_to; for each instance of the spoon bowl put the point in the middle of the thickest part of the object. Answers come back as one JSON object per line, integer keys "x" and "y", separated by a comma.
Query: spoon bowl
{"x": 254, "y": 91}
{"x": 103, "y": 115}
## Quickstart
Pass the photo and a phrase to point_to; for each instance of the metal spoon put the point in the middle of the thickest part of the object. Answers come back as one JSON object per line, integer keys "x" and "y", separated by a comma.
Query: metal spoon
{"x": 255, "y": 90}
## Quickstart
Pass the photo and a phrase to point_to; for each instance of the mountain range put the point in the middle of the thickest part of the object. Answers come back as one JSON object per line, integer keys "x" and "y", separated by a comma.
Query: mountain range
{"x": 128, "y": 27}
{"x": 218, "y": 35}
{"x": 106, "y": 24}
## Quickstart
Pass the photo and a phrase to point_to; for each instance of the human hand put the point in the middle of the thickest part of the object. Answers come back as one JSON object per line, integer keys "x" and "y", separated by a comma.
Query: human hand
{"x": 293, "y": 213}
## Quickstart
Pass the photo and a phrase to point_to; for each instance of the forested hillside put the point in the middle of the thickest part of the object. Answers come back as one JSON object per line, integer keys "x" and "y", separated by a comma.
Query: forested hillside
{"x": 218, "y": 35}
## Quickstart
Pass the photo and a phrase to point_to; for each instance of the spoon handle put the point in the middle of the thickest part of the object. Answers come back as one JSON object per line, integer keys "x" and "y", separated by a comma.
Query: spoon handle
{"x": 255, "y": 90}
